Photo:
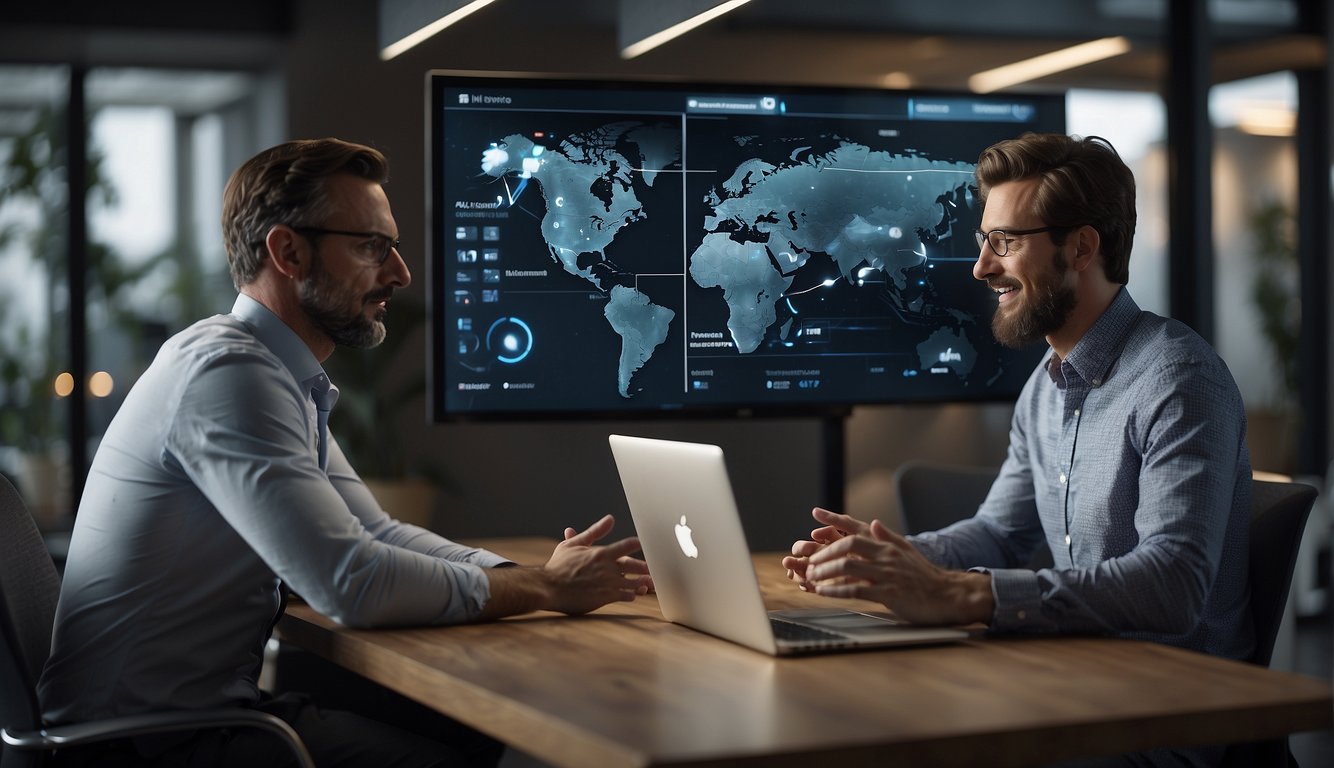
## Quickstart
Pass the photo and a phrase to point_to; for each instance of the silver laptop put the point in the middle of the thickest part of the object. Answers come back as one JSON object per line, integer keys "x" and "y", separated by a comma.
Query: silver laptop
{"x": 686, "y": 517}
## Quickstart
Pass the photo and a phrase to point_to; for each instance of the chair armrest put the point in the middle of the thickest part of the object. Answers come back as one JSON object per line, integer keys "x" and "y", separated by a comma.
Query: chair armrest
{"x": 75, "y": 734}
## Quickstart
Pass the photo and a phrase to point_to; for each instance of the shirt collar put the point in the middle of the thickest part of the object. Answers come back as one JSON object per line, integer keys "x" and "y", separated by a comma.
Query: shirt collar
{"x": 283, "y": 342}
{"x": 1097, "y": 350}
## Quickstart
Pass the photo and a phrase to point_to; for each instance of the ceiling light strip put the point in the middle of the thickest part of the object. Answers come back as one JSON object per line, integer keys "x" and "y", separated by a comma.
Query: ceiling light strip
{"x": 1048, "y": 64}
{"x": 412, "y": 39}
{"x": 676, "y": 30}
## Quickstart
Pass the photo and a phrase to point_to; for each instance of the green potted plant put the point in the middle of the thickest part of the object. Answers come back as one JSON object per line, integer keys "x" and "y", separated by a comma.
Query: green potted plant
{"x": 33, "y": 351}
{"x": 32, "y": 421}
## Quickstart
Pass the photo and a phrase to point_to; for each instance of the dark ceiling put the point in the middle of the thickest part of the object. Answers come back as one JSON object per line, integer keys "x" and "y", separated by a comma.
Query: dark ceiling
{"x": 853, "y": 42}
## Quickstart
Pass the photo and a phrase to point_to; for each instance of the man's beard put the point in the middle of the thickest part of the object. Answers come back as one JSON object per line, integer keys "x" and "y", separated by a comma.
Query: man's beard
{"x": 1044, "y": 313}
{"x": 339, "y": 311}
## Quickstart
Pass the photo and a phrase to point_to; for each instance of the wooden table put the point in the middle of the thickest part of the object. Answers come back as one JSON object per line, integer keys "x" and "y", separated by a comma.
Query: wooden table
{"x": 622, "y": 687}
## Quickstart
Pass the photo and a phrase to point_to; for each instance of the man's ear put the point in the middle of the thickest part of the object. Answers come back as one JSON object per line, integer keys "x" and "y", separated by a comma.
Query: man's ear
{"x": 286, "y": 253}
{"x": 1088, "y": 247}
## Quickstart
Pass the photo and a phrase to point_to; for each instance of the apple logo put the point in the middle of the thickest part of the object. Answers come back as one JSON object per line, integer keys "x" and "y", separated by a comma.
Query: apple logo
{"x": 683, "y": 538}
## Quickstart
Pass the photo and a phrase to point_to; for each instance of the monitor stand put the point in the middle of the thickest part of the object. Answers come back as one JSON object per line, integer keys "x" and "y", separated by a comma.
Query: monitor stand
{"x": 834, "y": 438}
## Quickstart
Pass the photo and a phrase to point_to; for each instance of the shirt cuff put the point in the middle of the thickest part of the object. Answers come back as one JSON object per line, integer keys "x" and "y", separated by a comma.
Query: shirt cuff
{"x": 1018, "y": 597}
{"x": 487, "y": 559}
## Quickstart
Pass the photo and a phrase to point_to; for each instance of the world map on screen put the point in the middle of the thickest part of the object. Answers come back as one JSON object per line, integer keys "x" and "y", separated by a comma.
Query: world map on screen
{"x": 782, "y": 227}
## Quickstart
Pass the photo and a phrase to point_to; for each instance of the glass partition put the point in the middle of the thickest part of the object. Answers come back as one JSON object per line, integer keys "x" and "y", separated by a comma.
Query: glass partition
{"x": 157, "y": 144}
{"x": 34, "y": 292}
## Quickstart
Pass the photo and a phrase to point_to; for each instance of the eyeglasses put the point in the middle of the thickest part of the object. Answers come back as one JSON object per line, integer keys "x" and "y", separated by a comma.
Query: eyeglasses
{"x": 999, "y": 239}
{"x": 379, "y": 245}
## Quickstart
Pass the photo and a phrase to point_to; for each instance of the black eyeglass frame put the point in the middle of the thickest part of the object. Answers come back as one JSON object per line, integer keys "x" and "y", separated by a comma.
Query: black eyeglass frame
{"x": 392, "y": 241}
{"x": 984, "y": 238}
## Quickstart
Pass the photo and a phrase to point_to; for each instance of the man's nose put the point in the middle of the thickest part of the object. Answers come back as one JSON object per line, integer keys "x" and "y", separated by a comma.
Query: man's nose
{"x": 399, "y": 266}
{"x": 986, "y": 263}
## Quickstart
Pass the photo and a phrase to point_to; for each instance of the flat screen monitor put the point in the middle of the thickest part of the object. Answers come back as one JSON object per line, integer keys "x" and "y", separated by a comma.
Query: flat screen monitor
{"x": 613, "y": 248}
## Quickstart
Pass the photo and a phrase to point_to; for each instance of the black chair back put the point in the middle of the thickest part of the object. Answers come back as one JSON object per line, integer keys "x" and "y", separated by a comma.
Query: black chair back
{"x": 933, "y": 496}
{"x": 29, "y": 588}
{"x": 1278, "y": 519}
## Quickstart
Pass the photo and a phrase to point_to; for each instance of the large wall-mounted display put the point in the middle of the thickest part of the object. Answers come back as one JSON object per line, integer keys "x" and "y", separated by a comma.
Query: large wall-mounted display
{"x": 622, "y": 248}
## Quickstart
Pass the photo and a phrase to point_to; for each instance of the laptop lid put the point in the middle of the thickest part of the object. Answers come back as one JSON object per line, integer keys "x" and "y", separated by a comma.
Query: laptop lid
{"x": 685, "y": 515}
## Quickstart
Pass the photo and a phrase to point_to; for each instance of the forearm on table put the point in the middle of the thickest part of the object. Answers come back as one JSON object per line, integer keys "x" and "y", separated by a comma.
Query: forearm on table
{"x": 516, "y": 590}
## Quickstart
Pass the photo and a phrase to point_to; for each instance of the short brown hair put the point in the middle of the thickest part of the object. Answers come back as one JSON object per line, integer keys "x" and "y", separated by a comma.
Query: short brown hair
{"x": 286, "y": 185}
{"x": 1083, "y": 181}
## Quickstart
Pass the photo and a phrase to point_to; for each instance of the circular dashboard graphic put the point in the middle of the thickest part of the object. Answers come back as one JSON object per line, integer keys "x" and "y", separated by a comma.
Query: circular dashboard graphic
{"x": 509, "y": 339}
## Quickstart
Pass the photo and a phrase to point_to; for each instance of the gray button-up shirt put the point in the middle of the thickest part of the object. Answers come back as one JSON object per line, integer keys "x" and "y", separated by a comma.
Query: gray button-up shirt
{"x": 1129, "y": 459}
{"x": 205, "y": 493}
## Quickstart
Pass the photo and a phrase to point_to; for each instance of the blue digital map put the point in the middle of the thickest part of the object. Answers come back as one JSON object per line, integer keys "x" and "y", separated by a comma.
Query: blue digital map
{"x": 767, "y": 219}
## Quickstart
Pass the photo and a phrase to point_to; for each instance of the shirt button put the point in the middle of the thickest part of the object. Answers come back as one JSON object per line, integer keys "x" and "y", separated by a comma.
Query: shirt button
{"x": 1067, "y": 539}
{"x": 1097, "y": 382}
{"x": 1076, "y": 411}
{"x": 1062, "y": 478}
{"x": 1021, "y": 615}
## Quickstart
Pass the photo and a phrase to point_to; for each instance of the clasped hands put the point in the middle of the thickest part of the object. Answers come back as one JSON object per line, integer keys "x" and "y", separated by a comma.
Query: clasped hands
{"x": 846, "y": 557}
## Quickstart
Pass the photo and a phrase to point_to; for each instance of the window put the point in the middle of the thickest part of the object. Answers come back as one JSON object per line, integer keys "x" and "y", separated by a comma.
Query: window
{"x": 158, "y": 143}
{"x": 34, "y": 295}
{"x": 1136, "y": 124}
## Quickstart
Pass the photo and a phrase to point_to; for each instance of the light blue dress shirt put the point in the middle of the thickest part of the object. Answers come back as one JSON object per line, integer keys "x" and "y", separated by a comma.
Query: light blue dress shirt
{"x": 206, "y": 493}
{"x": 1129, "y": 459}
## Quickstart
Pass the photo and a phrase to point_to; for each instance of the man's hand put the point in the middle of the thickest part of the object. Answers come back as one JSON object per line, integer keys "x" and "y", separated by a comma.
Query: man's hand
{"x": 834, "y": 528}
{"x": 846, "y": 557}
{"x": 579, "y": 577}
{"x": 585, "y": 577}
{"x": 883, "y": 566}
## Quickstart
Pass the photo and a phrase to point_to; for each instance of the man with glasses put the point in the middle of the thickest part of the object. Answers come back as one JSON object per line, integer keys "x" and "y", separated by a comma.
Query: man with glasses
{"x": 217, "y": 488}
{"x": 1127, "y": 453}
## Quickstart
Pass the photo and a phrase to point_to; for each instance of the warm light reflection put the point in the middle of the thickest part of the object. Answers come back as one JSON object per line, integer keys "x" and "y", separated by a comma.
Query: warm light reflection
{"x": 897, "y": 80}
{"x": 1267, "y": 120}
{"x": 100, "y": 384}
{"x": 64, "y": 384}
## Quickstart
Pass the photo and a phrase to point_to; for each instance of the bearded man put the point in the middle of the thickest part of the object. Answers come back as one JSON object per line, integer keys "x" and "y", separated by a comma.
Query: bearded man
{"x": 1127, "y": 452}
{"x": 218, "y": 487}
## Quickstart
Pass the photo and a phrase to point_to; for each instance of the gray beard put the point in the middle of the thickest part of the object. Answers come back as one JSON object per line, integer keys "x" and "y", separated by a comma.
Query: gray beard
{"x": 325, "y": 303}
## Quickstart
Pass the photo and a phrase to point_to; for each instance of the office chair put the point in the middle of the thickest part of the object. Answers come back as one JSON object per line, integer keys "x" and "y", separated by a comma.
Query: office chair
{"x": 932, "y": 496}
{"x": 29, "y": 587}
{"x": 1278, "y": 519}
